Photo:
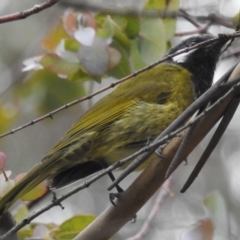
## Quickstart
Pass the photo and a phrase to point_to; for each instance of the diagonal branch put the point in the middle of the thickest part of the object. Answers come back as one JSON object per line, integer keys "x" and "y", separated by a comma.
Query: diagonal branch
{"x": 26, "y": 13}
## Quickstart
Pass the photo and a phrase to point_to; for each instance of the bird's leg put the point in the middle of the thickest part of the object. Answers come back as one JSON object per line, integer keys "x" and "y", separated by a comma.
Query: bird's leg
{"x": 158, "y": 151}
{"x": 112, "y": 196}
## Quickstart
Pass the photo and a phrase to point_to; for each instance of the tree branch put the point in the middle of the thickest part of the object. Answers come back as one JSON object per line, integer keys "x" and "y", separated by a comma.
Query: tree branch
{"x": 26, "y": 13}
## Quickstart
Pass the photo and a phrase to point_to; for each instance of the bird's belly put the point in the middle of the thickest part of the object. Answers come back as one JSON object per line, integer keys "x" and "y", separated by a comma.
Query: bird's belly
{"x": 136, "y": 129}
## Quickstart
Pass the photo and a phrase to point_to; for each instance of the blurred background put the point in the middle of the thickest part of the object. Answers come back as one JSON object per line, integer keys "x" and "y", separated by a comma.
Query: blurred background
{"x": 210, "y": 205}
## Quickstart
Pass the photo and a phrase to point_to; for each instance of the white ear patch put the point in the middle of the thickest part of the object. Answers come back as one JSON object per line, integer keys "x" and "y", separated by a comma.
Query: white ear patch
{"x": 181, "y": 57}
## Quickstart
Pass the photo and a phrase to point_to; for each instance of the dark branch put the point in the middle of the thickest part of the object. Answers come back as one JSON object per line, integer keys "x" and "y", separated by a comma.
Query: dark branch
{"x": 26, "y": 13}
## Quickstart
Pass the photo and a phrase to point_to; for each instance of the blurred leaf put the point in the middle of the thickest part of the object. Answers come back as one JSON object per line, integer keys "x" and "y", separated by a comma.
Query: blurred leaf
{"x": 236, "y": 22}
{"x": 155, "y": 4}
{"x": 6, "y": 186}
{"x": 123, "y": 67}
{"x": 73, "y": 20}
{"x": 135, "y": 57}
{"x": 70, "y": 22}
{"x": 22, "y": 212}
{"x": 23, "y": 233}
{"x": 120, "y": 21}
{"x": 8, "y": 115}
{"x": 80, "y": 76}
{"x": 45, "y": 91}
{"x": 3, "y": 159}
{"x": 114, "y": 57}
{"x": 36, "y": 230}
{"x": 95, "y": 58}
{"x": 162, "y": 5}
{"x": 218, "y": 212}
{"x": 103, "y": 33}
{"x": 116, "y": 31}
{"x": 72, "y": 45}
{"x": 35, "y": 193}
{"x": 132, "y": 27}
{"x": 170, "y": 28}
{"x": 53, "y": 37}
{"x": 170, "y": 23}
{"x": 41, "y": 231}
{"x": 203, "y": 230}
{"x": 70, "y": 228}
{"x": 59, "y": 66}
{"x": 152, "y": 40}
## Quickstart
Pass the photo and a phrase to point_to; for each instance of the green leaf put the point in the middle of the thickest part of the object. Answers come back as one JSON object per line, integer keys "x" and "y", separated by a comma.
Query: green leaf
{"x": 103, "y": 33}
{"x": 45, "y": 91}
{"x": 22, "y": 212}
{"x": 135, "y": 57}
{"x": 81, "y": 76}
{"x": 171, "y": 5}
{"x": 43, "y": 231}
{"x": 236, "y": 21}
{"x": 169, "y": 23}
{"x": 59, "y": 66}
{"x": 71, "y": 45}
{"x": 8, "y": 115}
{"x": 120, "y": 21}
{"x": 23, "y": 233}
{"x": 155, "y": 4}
{"x": 116, "y": 31}
{"x": 70, "y": 228}
{"x": 123, "y": 67}
{"x": 133, "y": 26}
{"x": 152, "y": 40}
{"x": 53, "y": 37}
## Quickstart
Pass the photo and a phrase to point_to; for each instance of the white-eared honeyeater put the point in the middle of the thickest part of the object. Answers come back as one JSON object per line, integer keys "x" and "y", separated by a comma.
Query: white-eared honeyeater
{"x": 124, "y": 120}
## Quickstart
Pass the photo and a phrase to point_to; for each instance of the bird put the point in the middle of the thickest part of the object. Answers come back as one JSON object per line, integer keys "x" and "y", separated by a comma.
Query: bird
{"x": 123, "y": 121}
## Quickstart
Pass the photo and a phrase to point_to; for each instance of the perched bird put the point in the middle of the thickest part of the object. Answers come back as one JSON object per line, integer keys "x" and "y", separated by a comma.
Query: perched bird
{"x": 123, "y": 121}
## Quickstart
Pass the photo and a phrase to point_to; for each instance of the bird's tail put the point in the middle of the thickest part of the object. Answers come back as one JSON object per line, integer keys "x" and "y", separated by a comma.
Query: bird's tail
{"x": 39, "y": 173}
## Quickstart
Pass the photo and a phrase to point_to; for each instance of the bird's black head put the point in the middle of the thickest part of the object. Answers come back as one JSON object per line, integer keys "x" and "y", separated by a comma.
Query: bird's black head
{"x": 201, "y": 62}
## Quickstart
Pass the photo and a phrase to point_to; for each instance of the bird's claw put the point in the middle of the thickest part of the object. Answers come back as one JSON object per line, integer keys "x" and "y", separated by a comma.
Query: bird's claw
{"x": 113, "y": 196}
{"x": 159, "y": 154}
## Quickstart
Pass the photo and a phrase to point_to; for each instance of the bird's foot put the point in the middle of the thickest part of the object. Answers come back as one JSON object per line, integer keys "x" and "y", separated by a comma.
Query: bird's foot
{"x": 159, "y": 153}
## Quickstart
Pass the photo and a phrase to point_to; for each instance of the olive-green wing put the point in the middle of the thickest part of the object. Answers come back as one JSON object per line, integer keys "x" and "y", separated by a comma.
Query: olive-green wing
{"x": 91, "y": 122}
{"x": 115, "y": 104}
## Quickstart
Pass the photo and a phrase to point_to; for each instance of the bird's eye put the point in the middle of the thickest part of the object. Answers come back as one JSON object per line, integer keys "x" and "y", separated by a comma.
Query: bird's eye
{"x": 192, "y": 44}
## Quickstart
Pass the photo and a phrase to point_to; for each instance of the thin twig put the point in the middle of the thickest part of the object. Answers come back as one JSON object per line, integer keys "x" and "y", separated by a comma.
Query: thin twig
{"x": 232, "y": 107}
{"x": 26, "y": 13}
{"x": 190, "y": 18}
{"x": 202, "y": 29}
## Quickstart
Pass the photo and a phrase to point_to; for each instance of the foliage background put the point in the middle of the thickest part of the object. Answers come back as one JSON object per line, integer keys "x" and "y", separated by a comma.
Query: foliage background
{"x": 20, "y": 40}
